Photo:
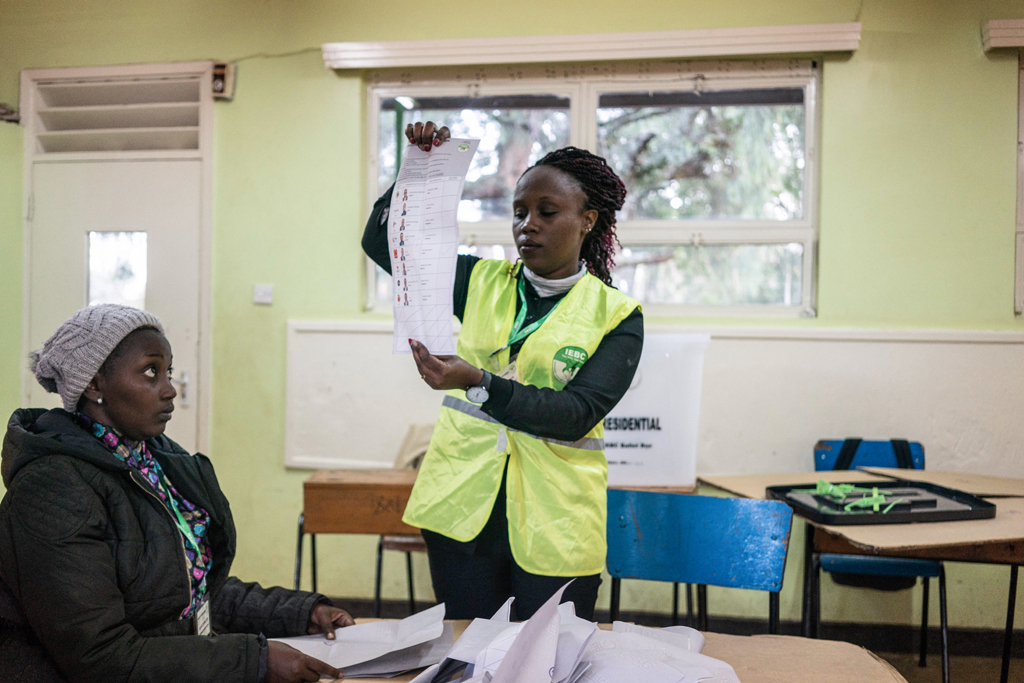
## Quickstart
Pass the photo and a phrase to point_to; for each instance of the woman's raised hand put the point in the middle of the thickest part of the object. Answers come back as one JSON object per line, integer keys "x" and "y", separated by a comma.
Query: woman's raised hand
{"x": 444, "y": 372}
{"x": 285, "y": 664}
{"x": 427, "y": 135}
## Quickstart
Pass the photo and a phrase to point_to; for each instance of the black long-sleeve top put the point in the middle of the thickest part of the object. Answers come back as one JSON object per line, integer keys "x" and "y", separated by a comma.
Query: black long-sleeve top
{"x": 569, "y": 414}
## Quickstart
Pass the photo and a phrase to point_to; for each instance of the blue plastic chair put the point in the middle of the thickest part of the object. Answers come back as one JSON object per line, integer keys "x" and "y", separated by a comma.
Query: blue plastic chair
{"x": 730, "y": 542}
{"x": 849, "y": 454}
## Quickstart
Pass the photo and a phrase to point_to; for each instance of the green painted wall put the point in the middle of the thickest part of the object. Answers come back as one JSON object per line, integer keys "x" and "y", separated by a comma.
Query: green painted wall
{"x": 10, "y": 264}
{"x": 917, "y": 208}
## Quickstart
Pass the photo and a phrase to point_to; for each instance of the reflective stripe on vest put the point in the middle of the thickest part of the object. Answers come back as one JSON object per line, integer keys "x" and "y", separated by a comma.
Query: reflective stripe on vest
{"x": 473, "y": 410}
{"x": 556, "y": 490}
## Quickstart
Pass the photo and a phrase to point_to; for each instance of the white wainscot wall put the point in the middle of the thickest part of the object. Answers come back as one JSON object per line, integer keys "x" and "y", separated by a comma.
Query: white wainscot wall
{"x": 769, "y": 394}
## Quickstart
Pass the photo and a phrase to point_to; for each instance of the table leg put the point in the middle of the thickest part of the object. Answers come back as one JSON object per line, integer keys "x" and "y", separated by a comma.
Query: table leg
{"x": 815, "y": 595}
{"x": 613, "y": 612}
{"x": 408, "y": 570}
{"x": 298, "y": 553}
{"x": 1008, "y": 637}
{"x": 312, "y": 558}
{"x": 377, "y": 578}
{"x": 689, "y": 605}
{"x": 925, "y": 581}
{"x": 773, "y": 613}
{"x": 805, "y": 615}
{"x": 702, "y": 606}
{"x": 675, "y": 603}
{"x": 944, "y": 626}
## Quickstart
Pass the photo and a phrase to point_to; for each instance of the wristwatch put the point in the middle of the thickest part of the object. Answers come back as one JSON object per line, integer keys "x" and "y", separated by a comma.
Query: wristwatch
{"x": 478, "y": 393}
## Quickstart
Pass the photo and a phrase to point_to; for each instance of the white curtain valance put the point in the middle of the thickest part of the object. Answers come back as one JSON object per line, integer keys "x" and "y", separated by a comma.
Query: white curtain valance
{"x": 717, "y": 42}
{"x": 1001, "y": 33}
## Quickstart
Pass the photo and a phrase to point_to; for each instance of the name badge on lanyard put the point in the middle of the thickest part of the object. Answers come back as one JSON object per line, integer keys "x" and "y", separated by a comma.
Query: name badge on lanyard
{"x": 201, "y": 619}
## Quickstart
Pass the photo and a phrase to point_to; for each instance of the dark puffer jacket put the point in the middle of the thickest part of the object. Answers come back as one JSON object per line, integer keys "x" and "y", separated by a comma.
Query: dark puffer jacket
{"x": 95, "y": 567}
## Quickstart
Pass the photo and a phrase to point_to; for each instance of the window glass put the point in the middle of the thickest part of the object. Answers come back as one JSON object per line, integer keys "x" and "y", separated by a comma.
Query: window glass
{"x": 707, "y": 155}
{"x": 712, "y": 275}
{"x": 514, "y": 132}
{"x": 117, "y": 268}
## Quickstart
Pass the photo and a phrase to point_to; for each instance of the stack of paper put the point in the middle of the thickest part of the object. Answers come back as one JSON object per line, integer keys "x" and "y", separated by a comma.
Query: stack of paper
{"x": 556, "y": 646}
{"x": 382, "y": 648}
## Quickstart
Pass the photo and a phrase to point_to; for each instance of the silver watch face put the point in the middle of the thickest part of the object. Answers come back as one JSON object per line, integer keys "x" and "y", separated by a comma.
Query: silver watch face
{"x": 477, "y": 394}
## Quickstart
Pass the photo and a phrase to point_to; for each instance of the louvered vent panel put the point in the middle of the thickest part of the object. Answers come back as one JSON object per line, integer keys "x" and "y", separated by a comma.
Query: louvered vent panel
{"x": 118, "y": 115}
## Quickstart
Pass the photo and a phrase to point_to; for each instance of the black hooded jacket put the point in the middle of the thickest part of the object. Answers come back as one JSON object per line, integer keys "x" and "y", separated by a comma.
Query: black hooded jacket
{"x": 93, "y": 568}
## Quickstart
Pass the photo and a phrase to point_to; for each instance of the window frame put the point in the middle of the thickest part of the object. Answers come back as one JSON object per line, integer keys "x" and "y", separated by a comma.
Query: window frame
{"x": 1018, "y": 289}
{"x": 583, "y": 85}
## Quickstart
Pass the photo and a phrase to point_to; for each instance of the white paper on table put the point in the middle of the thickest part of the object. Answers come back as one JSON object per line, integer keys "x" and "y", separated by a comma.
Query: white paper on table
{"x": 427, "y": 675}
{"x": 400, "y": 661}
{"x": 364, "y": 642}
{"x": 423, "y": 242}
{"x": 680, "y": 636}
{"x": 573, "y": 636}
{"x": 531, "y": 657}
{"x": 614, "y": 655}
{"x": 504, "y": 612}
{"x": 480, "y": 633}
{"x": 629, "y": 665}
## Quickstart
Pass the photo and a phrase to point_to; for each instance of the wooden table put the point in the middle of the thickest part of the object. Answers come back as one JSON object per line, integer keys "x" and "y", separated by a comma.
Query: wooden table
{"x": 775, "y": 659}
{"x": 987, "y": 541}
{"x": 373, "y": 501}
{"x": 367, "y": 502}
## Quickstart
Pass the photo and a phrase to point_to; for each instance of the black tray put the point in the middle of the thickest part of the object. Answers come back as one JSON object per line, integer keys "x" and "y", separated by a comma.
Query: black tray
{"x": 950, "y": 504}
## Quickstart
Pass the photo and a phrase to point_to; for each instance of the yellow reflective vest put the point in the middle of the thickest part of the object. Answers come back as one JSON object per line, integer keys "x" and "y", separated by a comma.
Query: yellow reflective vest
{"x": 556, "y": 500}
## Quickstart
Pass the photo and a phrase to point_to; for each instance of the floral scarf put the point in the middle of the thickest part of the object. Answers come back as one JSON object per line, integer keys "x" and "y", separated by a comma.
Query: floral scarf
{"x": 136, "y": 455}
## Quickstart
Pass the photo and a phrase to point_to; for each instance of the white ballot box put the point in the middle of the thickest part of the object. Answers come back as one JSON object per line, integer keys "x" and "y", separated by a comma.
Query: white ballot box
{"x": 651, "y": 435}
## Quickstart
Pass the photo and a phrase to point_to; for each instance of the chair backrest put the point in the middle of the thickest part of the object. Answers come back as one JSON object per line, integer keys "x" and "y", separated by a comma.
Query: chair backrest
{"x": 732, "y": 542}
{"x": 867, "y": 454}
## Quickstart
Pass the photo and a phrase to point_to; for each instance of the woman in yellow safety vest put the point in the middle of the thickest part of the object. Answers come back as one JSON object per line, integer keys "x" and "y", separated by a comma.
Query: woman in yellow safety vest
{"x": 511, "y": 495}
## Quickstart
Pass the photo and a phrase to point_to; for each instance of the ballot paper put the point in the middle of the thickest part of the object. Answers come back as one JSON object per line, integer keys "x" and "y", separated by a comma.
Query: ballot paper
{"x": 556, "y": 646}
{"x": 423, "y": 242}
{"x": 400, "y": 661}
{"x": 367, "y": 642}
{"x": 531, "y": 656}
{"x": 616, "y": 655}
{"x": 680, "y": 636}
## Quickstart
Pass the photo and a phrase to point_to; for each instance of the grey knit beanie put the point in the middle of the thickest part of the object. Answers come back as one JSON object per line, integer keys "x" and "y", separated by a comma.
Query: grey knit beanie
{"x": 73, "y": 355}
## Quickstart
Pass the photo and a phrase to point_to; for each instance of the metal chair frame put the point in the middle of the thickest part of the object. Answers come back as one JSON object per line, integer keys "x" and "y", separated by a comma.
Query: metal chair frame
{"x": 876, "y": 454}
{"x": 376, "y": 580}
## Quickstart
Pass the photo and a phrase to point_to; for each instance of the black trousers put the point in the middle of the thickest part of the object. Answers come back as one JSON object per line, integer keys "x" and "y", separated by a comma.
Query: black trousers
{"x": 475, "y": 578}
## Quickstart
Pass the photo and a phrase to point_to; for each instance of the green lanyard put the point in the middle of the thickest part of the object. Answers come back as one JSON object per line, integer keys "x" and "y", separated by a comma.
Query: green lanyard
{"x": 179, "y": 520}
{"x": 518, "y": 332}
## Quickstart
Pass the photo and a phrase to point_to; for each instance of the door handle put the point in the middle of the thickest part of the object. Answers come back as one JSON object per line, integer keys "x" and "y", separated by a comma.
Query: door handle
{"x": 182, "y": 388}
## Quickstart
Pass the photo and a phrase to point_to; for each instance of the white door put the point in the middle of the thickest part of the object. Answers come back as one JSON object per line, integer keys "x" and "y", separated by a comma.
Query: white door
{"x": 127, "y": 232}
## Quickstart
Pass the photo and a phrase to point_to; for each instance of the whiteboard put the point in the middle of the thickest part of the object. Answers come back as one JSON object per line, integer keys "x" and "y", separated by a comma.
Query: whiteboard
{"x": 767, "y": 395}
{"x": 349, "y": 400}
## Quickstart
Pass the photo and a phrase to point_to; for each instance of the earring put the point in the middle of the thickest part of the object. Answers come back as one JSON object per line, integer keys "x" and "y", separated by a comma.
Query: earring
{"x": 100, "y": 400}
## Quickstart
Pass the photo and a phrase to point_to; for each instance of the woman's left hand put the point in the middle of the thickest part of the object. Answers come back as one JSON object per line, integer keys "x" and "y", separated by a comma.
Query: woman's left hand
{"x": 325, "y": 618}
{"x": 444, "y": 372}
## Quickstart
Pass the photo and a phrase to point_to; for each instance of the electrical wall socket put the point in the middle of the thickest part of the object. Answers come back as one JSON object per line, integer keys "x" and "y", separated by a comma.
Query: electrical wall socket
{"x": 263, "y": 294}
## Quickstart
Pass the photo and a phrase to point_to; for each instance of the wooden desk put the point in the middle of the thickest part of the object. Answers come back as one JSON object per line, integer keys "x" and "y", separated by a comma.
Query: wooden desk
{"x": 983, "y": 485}
{"x": 754, "y": 485}
{"x": 775, "y": 659}
{"x": 372, "y": 501}
{"x": 990, "y": 541}
{"x": 366, "y": 502}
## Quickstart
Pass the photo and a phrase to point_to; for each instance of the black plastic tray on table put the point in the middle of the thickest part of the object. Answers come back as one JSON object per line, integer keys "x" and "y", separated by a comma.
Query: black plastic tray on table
{"x": 952, "y": 505}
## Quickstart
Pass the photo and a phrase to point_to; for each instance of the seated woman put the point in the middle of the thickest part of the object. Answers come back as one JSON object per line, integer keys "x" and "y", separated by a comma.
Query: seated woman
{"x": 116, "y": 545}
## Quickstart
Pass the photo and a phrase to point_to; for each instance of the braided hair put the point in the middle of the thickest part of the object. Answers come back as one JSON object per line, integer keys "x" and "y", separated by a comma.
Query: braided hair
{"x": 604, "y": 192}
